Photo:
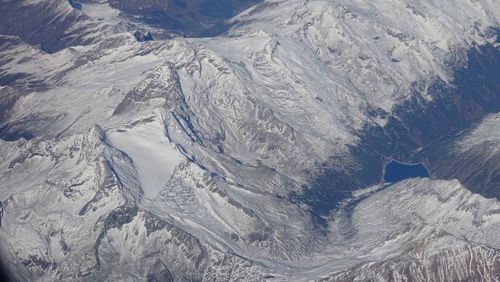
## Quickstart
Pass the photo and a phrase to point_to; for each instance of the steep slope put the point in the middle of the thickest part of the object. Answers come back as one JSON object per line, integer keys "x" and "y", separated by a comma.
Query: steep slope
{"x": 433, "y": 231}
{"x": 471, "y": 156}
{"x": 74, "y": 220}
{"x": 232, "y": 157}
{"x": 191, "y": 18}
{"x": 39, "y": 22}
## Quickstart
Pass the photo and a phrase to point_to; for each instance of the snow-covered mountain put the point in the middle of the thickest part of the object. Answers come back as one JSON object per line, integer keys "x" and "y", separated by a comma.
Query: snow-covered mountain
{"x": 255, "y": 154}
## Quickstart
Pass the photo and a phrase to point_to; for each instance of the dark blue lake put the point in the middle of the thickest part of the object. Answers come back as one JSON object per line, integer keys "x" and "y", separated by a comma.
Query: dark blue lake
{"x": 75, "y": 4}
{"x": 396, "y": 171}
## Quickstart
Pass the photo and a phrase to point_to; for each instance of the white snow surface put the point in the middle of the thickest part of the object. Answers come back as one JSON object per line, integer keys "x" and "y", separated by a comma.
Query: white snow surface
{"x": 154, "y": 157}
{"x": 216, "y": 131}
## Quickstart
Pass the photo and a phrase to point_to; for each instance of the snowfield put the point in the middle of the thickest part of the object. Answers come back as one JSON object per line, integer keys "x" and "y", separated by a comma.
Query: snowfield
{"x": 219, "y": 158}
{"x": 154, "y": 157}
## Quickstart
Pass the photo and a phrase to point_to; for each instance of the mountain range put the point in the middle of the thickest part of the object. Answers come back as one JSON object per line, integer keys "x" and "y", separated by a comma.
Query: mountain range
{"x": 246, "y": 140}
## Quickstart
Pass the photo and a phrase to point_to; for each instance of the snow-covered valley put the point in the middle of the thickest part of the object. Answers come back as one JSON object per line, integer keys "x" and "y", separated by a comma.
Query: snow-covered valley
{"x": 256, "y": 154}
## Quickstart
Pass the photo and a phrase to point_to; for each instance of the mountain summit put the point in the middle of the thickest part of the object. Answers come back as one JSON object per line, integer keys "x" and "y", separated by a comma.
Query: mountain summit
{"x": 247, "y": 140}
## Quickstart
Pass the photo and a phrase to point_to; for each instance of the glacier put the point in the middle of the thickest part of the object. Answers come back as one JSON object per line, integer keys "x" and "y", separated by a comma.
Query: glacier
{"x": 256, "y": 154}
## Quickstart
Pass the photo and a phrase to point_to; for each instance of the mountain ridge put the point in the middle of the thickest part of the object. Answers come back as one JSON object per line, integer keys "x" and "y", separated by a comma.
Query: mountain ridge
{"x": 238, "y": 154}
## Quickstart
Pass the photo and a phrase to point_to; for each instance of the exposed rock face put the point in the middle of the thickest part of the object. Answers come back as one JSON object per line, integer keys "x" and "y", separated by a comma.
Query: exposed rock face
{"x": 446, "y": 252}
{"x": 256, "y": 154}
{"x": 469, "y": 263}
{"x": 141, "y": 37}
